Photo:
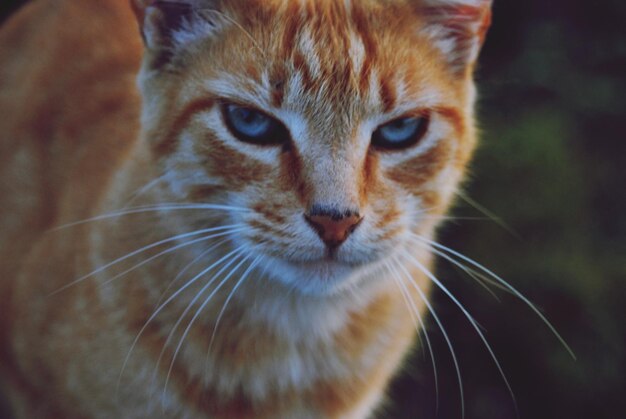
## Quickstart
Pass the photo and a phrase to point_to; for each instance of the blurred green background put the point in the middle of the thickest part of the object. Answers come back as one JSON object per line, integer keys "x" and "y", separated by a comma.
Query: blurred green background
{"x": 552, "y": 168}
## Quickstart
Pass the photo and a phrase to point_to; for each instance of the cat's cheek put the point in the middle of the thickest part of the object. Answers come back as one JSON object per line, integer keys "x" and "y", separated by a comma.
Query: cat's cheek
{"x": 412, "y": 174}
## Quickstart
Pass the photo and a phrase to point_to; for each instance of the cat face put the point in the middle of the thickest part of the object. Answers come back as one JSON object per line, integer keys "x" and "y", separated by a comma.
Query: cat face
{"x": 337, "y": 129}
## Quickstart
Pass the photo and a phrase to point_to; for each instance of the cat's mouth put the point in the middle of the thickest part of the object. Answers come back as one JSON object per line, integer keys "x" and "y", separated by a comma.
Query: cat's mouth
{"x": 323, "y": 275}
{"x": 328, "y": 262}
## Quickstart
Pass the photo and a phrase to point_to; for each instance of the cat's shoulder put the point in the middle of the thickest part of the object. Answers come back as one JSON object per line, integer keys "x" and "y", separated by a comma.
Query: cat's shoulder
{"x": 60, "y": 45}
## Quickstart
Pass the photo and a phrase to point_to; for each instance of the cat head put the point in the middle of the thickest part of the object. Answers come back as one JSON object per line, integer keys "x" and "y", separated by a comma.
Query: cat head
{"x": 338, "y": 129}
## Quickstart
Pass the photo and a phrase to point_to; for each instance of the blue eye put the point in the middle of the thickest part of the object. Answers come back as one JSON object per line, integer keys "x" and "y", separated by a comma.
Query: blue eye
{"x": 253, "y": 126}
{"x": 400, "y": 133}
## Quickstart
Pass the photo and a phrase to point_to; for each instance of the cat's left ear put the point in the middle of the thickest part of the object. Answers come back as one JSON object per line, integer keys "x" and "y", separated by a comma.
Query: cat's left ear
{"x": 458, "y": 28}
{"x": 168, "y": 25}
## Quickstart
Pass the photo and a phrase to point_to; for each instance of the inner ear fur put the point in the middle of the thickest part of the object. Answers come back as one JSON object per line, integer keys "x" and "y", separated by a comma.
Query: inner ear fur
{"x": 167, "y": 25}
{"x": 458, "y": 29}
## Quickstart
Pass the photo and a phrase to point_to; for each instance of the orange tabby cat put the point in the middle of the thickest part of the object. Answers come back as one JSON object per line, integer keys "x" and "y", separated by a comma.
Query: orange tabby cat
{"x": 242, "y": 234}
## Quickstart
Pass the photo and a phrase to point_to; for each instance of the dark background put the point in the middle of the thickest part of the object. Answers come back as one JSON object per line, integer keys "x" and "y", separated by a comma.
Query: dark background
{"x": 551, "y": 167}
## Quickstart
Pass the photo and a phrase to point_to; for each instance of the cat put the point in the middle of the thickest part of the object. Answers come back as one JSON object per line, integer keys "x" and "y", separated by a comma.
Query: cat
{"x": 244, "y": 232}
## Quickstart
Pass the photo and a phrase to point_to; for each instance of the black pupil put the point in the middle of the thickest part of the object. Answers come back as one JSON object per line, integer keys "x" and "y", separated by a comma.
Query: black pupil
{"x": 247, "y": 116}
{"x": 400, "y": 123}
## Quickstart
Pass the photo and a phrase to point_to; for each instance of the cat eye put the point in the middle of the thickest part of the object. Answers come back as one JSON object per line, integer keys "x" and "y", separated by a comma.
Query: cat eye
{"x": 400, "y": 133}
{"x": 252, "y": 126}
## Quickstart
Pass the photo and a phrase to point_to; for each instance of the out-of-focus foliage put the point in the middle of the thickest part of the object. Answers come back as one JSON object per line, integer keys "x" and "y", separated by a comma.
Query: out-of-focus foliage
{"x": 552, "y": 166}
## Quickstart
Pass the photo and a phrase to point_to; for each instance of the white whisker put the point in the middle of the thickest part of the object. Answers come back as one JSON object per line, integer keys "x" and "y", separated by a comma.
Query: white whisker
{"x": 196, "y": 315}
{"x": 443, "y": 332}
{"x": 144, "y": 189}
{"x": 472, "y": 321}
{"x": 170, "y": 250}
{"x": 141, "y": 250}
{"x": 230, "y": 296}
{"x": 418, "y": 322}
{"x": 504, "y": 283}
{"x": 490, "y": 214}
{"x": 234, "y": 255}
{"x": 481, "y": 279}
{"x": 247, "y": 272}
{"x": 151, "y": 208}
{"x": 164, "y": 304}
{"x": 188, "y": 266}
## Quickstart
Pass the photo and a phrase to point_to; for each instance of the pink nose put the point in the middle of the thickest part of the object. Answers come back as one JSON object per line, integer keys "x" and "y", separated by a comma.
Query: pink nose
{"x": 333, "y": 227}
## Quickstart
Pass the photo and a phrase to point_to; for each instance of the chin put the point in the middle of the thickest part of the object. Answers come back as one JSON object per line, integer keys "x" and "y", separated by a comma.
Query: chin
{"x": 317, "y": 278}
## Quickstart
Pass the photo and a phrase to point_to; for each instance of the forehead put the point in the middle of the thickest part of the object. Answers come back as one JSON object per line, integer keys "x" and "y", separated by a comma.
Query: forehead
{"x": 354, "y": 56}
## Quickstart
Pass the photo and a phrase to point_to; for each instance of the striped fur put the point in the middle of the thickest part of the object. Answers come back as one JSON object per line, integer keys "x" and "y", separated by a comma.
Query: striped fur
{"x": 291, "y": 332}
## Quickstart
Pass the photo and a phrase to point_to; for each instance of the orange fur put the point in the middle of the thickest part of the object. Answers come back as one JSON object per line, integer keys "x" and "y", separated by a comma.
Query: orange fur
{"x": 312, "y": 332}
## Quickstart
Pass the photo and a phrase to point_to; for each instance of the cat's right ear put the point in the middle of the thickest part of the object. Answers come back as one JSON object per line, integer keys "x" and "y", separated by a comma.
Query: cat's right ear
{"x": 169, "y": 25}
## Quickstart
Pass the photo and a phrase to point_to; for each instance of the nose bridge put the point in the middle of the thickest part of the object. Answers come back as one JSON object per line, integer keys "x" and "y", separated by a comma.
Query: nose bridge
{"x": 333, "y": 179}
